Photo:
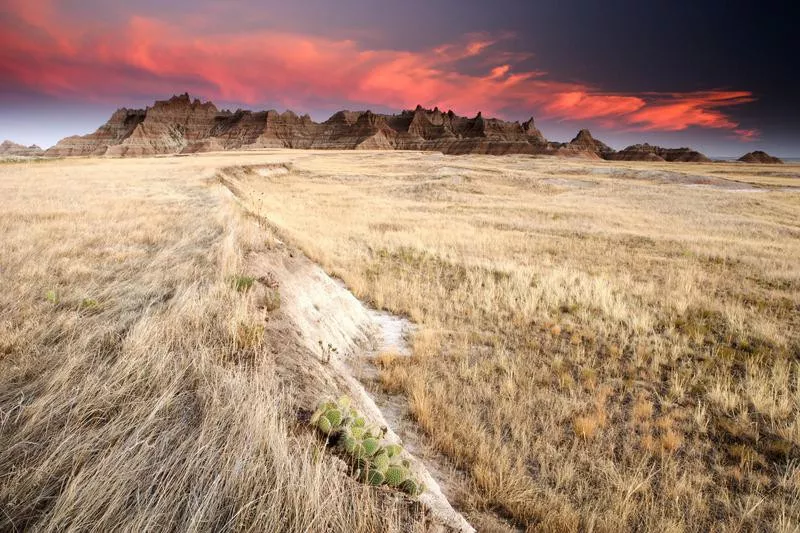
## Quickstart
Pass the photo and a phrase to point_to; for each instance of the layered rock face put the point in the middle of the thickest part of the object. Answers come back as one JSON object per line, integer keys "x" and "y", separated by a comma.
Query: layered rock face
{"x": 12, "y": 149}
{"x": 118, "y": 128}
{"x": 183, "y": 125}
{"x": 169, "y": 127}
{"x": 760, "y": 157}
{"x": 648, "y": 152}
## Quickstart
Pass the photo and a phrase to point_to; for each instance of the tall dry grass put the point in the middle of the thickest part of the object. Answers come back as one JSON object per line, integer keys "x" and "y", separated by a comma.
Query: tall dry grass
{"x": 604, "y": 347}
{"x": 125, "y": 402}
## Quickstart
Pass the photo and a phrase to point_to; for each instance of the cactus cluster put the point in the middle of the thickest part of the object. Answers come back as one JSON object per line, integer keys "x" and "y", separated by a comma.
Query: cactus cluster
{"x": 371, "y": 460}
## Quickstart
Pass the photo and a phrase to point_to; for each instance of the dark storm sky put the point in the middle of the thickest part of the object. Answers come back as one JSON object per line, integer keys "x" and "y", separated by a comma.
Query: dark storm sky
{"x": 719, "y": 76}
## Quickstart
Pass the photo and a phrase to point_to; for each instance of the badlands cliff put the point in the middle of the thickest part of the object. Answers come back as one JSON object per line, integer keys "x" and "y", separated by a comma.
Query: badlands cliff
{"x": 184, "y": 125}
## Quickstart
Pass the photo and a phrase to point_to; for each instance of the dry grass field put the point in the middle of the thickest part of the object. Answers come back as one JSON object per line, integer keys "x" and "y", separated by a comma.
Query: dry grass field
{"x": 600, "y": 346}
{"x": 125, "y": 402}
{"x": 603, "y": 346}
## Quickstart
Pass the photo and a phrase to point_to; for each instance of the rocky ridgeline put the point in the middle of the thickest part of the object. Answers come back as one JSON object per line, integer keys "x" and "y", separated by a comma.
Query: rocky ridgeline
{"x": 647, "y": 152}
{"x": 183, "y": 125}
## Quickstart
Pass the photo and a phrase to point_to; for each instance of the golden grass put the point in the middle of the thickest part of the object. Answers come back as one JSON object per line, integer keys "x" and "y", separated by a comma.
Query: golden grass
{"x": 594, "y": 336}
{"x": 140, "y": 396}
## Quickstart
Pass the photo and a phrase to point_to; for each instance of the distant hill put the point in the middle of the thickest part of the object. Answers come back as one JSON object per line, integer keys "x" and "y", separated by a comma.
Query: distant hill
{"x": 647, "y": 152}
{"x": 760, "y": 157}
{"x": 8, "y": 148}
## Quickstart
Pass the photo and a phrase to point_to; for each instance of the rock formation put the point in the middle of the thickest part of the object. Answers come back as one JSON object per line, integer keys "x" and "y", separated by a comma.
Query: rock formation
{"x": 587, "y": 146}
{"x": 183, "y": 125}
{"x": 12, "y": 149}
{"x": 760, "y": 157}
{"x": 648, "y": 152}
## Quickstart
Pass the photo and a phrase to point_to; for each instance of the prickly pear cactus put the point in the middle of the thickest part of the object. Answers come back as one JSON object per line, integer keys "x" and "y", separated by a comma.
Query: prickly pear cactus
{"x": 371, "y": 459}
{"x": 393, "y": 450}
{"x": 411, "y": 488}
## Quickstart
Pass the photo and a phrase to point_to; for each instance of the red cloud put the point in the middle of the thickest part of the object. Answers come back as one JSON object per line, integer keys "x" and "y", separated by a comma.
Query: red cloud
{"x": 41, "y": 51}
{"x": 680, "y": 111}
{"x": 583, "y": 105}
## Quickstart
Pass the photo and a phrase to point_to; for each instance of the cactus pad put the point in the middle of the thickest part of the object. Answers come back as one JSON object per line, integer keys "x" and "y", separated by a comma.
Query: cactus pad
{"x": 374, "y": 477}
{"x": 348, "y": 443}
{"x": 393, "y": 450}
{"x": 395, "y": 475}
{"x": 324, "y": 425}
{"x": 371, "y": 446}
{"x": 409, "y": 487}
{"x": 380, "y": 462}
{"x": 334, "y": 416}
{"x": 358, "y": 451}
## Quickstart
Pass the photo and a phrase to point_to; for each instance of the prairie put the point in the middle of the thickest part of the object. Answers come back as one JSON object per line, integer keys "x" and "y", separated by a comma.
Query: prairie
{"x": 603, "y": 346}
{"x": 599, "y": 346}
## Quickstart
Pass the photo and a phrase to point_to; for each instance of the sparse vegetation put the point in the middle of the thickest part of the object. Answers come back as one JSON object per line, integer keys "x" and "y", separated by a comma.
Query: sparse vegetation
{"x": 89, "y": 303}
{"x": 271, "y": 300}
{"x": 242, "y": 283}
{"x": 327, "y": 350}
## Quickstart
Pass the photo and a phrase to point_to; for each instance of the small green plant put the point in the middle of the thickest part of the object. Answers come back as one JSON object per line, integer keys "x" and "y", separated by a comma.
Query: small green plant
{"x": 51, "y": 296}
{"x": 242, "y": 283}
{"x": 371, "y": 460}
{"x": 89, "y": 303}
{"x": 327, "y": 351}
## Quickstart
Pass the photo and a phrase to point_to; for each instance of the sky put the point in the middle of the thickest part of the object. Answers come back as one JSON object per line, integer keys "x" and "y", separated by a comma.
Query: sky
{"x": 720, "y": 76}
